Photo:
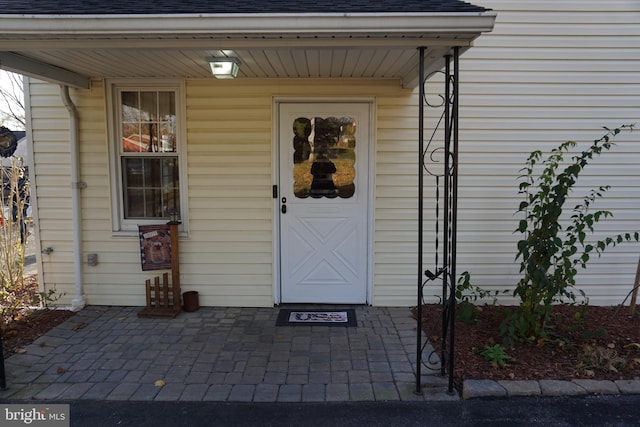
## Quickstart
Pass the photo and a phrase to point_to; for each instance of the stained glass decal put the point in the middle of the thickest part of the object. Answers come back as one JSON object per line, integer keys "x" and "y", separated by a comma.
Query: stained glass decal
{"x": 324, "y": 157}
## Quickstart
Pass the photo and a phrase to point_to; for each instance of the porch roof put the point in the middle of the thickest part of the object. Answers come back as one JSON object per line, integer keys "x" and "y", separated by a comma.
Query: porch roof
{"x": 71, "y": 41}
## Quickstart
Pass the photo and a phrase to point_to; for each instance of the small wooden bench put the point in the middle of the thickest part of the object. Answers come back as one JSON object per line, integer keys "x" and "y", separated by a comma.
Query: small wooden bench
{"x": 163, "y": 299}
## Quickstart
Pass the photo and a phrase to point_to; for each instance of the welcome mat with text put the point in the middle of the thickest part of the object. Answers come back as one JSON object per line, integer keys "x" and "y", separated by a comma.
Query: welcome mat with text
{"x": 296, "y": 317}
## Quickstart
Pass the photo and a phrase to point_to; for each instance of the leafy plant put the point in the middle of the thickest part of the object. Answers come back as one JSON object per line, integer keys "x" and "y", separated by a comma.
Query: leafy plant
{"x": 466, "y": 297}
{"x": 550, "y": 255}
{"x": 467, "y": 313}
{"x": 495, "y": 354}
{"x": 589, "y": 334}
{"x": 466, "y": 292}
{"x": 47, "y": 297}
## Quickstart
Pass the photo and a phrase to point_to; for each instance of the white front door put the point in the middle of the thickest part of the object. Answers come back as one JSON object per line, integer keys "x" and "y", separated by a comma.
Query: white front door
{"x": 323, "y": 201}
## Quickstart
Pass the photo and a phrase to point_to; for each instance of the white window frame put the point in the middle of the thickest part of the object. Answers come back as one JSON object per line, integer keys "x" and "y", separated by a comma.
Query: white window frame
{"x": 120, "y": 225}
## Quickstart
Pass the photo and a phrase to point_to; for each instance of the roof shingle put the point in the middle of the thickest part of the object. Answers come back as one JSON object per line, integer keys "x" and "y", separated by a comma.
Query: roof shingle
{"x": 136, "y": 7}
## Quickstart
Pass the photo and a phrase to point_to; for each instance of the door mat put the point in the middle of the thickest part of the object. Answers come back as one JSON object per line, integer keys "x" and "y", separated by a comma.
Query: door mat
{"x": 297, "y": 317}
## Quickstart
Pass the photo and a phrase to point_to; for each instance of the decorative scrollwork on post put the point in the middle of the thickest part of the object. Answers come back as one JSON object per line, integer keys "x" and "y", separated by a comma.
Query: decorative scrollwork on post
{"x": 439, "y": 161}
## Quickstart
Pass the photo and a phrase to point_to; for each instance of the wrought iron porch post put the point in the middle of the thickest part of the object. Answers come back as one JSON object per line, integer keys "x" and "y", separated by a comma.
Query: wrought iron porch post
{"x": 418, "y": 389}
{"x": 447, "y": 205}
{"x": 454, "y": 214}
{"x": 449, "y": 173}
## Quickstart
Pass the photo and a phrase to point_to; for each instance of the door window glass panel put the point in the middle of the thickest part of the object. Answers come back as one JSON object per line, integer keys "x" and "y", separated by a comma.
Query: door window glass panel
{"x": 324, "y": 157}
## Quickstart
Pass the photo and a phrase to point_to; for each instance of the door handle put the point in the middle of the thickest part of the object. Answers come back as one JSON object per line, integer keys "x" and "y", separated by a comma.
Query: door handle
{"x": 283, "y": 209}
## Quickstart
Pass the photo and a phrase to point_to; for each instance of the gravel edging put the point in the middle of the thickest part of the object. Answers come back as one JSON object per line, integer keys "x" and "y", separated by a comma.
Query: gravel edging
{"x": 472, "y": 389}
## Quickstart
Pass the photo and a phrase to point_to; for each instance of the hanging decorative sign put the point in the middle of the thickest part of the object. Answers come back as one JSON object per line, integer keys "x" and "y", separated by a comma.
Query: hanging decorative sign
{"x": 155, "y": 247}
{"x": 8, "y": 142}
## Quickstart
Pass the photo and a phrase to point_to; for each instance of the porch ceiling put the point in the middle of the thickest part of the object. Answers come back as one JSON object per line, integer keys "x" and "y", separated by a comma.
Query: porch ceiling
{"x": 73, "y": 49}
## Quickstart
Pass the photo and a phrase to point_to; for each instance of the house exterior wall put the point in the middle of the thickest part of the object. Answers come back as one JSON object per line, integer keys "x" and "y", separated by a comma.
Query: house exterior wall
{"x": 550, "y": 72}
{"x": 227, "y": 254}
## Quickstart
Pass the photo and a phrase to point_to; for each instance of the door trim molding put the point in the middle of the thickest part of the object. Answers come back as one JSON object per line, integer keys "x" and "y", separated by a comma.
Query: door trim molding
{"x": 275, "y": 177}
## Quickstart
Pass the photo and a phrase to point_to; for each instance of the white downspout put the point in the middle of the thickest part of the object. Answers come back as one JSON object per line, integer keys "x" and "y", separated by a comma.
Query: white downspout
{"x": 78, "y": 301}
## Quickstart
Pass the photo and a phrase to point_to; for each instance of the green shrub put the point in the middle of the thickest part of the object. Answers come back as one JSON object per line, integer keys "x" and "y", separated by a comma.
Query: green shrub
{"x": 550, "y": 255}
{"x": 495, "y": 354}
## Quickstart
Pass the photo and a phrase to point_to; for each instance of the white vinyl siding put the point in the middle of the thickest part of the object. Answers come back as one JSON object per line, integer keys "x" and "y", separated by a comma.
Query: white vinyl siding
{"x": 228, "y": 258}
{"x": 549, "y": 72}
{"x": 52, "y": 168}
{"x": 396, "y": 239}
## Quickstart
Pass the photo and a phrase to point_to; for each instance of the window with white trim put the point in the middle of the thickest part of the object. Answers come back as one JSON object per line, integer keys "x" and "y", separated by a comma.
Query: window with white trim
{"x": 148, "y": 155}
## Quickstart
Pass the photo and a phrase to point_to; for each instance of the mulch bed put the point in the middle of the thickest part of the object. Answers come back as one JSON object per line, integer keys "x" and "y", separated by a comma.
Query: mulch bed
{"x": 588, "y": 346}
{"x": 28, "y": 324}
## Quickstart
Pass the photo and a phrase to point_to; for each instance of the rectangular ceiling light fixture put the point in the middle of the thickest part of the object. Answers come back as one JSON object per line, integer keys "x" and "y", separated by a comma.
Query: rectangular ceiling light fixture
{"x": 224, "y": 68}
